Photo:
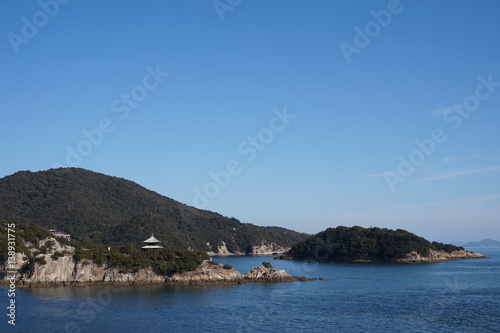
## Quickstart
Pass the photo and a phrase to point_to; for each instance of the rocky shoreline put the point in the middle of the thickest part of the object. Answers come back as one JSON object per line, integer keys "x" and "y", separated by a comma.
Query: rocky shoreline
{"x": 439, "y": 256}
{"x": 65, "y": 271}
{"x": 413, "y": 257}
{"x": 211, "y": 273}
{"x": 207, "y": 274}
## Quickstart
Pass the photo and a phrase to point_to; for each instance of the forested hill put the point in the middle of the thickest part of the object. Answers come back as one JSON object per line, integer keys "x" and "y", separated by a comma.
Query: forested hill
{"x": 110, "y": 210}
{"x": 364, "y": 244}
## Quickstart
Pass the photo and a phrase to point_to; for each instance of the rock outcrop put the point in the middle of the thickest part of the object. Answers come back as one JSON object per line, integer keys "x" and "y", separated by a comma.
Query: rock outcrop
{"x": 265, "y": 274}
{"x": 264, "y": 249}
{"x": 437, "y": 256}
{"x": 65, "y": 272}
{"x": 210, "y": 272}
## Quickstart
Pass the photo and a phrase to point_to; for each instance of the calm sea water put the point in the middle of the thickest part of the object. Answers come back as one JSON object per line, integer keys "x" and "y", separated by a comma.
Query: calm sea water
{"x": 457, "y": 296}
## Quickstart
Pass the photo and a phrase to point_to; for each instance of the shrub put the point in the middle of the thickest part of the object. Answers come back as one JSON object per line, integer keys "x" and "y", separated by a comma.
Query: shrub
{"x": 226, "y": 266}
{"x": 82, "y": 254}
{"x": 447, "y": 247}
{"x": 57, "y": 255}
{"x": 49, "y": 244}
{"x": 267, "y": 264}
{"x": 29, "y": 266}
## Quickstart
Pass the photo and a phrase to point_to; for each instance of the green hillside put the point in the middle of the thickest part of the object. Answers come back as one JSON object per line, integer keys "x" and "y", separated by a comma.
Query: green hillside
{"x": 110, "y": 210}
{"x": 364, "y": 244}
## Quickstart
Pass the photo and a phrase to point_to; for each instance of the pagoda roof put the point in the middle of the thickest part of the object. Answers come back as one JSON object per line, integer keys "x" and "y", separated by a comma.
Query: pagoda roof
{"x": 151, "y": 239}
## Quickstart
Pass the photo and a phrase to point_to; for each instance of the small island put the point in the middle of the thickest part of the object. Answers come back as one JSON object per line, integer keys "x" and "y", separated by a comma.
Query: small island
{"x": 357, "y": 244}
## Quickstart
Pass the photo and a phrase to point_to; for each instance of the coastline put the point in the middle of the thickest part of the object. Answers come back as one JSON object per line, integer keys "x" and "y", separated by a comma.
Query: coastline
{"x": 208, "y": 273}
{"x": 411, "y": 258}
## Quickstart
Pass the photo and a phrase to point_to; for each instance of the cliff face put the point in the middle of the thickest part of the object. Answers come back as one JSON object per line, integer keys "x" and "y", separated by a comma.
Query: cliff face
{"x": 65, "y": 271}
{"x": 264, "y": 249}
{"x": 268, "y": 249}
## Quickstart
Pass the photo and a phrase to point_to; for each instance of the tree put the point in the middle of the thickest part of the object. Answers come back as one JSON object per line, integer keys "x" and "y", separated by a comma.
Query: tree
{"x": 267, "y": 264}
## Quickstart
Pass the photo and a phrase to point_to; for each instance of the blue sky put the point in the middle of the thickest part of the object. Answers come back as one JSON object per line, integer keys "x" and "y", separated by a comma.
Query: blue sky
{"x": 301, "y": 114}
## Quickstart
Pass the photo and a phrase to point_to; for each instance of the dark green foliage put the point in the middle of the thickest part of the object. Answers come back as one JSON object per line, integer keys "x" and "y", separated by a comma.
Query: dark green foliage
{"x": 96, "y": 254}
{"x": 168, "y": 262}
{"x": 30, "y": 232}
{"x": 65, "y": 241}
{"x": 4, "y": 249}
{"x": 29, "y": 265}
{"x": 57, "y": 254}
{"x": 129, "y": 259}
{"x": 49, "y": 244}
{"x": 33, "y": 233}
{"x": 106, "y": 210}
{"x": 227, "y": 266}
{"x": 446, "y": 247}
{"x": 357, "y": 243}
{"x": 47, "y": 247}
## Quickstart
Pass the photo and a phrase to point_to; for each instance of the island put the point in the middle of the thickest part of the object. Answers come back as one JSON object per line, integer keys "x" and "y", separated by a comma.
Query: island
{"x": 357, "y": 244}
{"x": 43, "y": 259}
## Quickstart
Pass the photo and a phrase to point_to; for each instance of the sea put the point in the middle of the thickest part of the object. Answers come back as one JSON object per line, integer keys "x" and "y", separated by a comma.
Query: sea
{"x": 455, "y": 296}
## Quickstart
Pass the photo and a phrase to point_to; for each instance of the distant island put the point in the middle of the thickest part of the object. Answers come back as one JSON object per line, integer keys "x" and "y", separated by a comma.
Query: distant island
{"x": 487, "y": 242}
{"x": 357, "y": 244}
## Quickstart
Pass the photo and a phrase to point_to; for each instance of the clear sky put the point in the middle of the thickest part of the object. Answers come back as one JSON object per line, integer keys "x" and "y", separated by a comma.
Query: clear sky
{"x": 300, "y": 114}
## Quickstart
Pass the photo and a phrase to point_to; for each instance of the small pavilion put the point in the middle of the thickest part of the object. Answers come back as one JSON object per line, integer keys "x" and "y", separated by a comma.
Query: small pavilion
{"x": 152, "y": 243}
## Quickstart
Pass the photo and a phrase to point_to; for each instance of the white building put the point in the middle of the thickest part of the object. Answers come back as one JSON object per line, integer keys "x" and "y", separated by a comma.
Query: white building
{"x": 60, "y": 234}
{"x": 152, "y": 243}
